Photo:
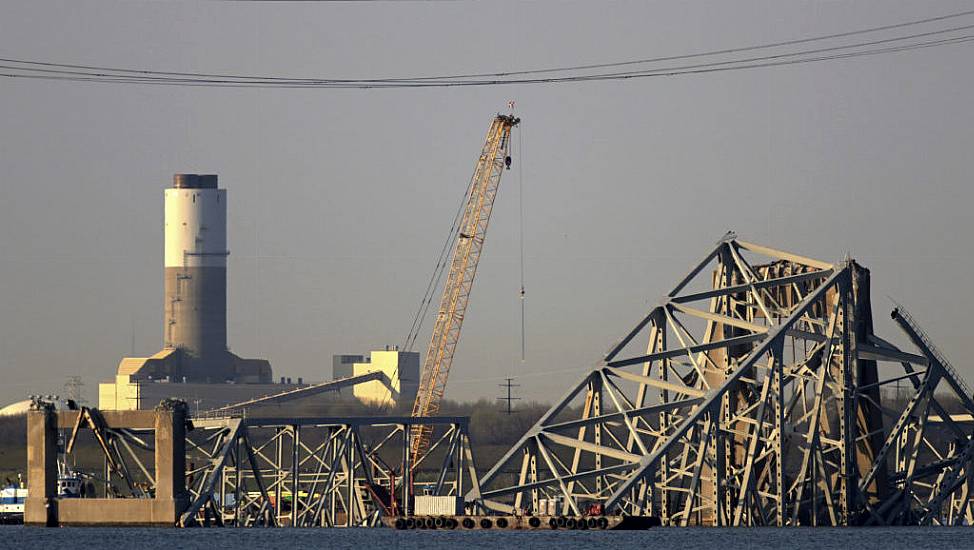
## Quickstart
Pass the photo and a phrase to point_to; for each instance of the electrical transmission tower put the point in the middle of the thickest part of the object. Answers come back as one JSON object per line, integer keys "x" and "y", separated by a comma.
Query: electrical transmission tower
{"x": 509, "y": 398}
{"x": 72, "y": 389}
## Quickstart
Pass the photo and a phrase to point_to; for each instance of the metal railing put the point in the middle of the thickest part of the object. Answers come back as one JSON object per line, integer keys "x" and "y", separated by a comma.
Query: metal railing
{"x": 219, "y": 413}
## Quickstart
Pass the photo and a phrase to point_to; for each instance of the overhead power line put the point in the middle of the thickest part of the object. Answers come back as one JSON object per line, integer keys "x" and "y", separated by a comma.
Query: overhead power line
{"x": 438, "y": 270}
{"x": 145, "y": 72}
{"x": 692, "y": 69}
{"x": 338, "y": 1}
{"x": 711, "y": 52}
{"x": 42, "y": 70}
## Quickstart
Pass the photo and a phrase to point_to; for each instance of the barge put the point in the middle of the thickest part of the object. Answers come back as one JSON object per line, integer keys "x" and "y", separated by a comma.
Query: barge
{"x": 522, "y": 523}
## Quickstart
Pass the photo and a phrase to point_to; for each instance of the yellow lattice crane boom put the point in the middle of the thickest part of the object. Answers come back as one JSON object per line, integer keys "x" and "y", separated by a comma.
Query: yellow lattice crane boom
{"x": 469, "y": 243}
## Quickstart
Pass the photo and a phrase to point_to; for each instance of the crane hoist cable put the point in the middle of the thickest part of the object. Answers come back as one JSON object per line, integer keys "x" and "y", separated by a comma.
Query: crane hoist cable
{"x": 437, "y": 274}
{"x": 520, "y": 207}
{"x": 468, "y": 243}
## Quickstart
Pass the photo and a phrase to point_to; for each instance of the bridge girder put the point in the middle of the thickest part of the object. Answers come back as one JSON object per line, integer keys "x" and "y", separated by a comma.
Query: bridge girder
{"x": 760, "y": 398}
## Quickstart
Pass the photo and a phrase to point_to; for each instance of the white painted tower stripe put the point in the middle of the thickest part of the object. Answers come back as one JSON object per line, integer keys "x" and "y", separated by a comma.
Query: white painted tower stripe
{"x": 196, "y": 228}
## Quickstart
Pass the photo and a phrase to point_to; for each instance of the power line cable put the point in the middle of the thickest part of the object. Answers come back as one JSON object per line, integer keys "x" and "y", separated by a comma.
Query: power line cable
{"x": 734, "y": 50}
{"x": 141, "y": 76}
{"x": 438, "y": 270}
{"x": 337, "y": 1}
{"x": 690, "y": 70}
{"x": 710, "y": 53}
{"x": 790, "y": 54}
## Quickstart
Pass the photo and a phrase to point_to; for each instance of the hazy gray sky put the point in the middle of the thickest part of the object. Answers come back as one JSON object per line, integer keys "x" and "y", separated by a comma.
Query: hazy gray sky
{"x": 339, "y": 200}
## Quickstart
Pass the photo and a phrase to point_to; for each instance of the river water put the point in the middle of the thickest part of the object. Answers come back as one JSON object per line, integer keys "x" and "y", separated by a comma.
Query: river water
{"x": 382, "y": 539}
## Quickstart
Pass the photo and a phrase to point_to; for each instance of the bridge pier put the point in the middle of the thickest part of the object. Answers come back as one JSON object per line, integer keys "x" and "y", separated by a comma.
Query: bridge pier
{"x": 45, "y": 508}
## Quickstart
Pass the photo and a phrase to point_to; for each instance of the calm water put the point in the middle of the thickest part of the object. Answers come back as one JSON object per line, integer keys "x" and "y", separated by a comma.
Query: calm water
{"x": 381, "y": 539}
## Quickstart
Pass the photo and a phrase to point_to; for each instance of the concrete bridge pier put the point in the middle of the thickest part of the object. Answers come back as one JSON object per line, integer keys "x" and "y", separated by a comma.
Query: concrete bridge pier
{"x": 45, "y": 508}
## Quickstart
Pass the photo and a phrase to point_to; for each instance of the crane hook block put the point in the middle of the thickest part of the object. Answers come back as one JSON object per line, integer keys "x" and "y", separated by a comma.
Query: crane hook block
{"x": 507, "y": 162}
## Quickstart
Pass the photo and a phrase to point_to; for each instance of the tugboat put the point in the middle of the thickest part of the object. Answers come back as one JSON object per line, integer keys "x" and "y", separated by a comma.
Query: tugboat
{"x": 70, "y": 485}
{"x": 13, "y": 496}
{"x": 12, "y": 499}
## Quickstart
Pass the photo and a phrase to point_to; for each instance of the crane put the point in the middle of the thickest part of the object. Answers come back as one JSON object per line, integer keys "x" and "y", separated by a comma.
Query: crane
{"x": 468, "y": 245}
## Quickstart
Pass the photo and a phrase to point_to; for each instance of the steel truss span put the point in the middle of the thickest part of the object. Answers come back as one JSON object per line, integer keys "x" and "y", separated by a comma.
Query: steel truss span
{"x": 755, "y": 393}
{"x": 319, "y": 472}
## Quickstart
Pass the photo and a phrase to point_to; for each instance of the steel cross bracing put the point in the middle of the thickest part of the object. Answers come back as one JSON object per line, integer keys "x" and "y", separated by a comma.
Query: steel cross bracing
{"x": 318, "y": 472}
{"x": 463, "y": 267}
{"x": 761, "y": 397}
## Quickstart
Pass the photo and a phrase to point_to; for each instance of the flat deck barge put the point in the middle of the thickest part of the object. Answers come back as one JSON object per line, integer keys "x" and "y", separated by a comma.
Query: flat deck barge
{"x": 522, "y": 523}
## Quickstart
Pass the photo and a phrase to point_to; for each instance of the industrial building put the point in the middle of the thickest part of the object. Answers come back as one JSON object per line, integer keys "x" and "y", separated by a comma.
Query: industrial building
{"x": 195, "y": 363}
{"x": 399, "y": 382}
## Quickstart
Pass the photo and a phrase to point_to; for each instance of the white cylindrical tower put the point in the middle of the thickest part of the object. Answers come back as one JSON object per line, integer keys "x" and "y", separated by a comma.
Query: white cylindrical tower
{"x": 196, "y": 272}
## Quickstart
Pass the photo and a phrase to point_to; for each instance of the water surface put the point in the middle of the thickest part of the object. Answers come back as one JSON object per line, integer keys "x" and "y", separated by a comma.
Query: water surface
{"x": 381, "y": 539}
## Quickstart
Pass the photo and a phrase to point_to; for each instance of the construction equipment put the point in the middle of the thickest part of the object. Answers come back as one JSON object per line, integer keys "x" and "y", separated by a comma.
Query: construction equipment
{"x": 468, "y": 244}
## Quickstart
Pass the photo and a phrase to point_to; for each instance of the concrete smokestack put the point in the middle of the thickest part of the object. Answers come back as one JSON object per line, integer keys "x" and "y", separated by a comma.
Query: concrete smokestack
{"x": 195, "y": 333}
{"x": 196, "y": 272}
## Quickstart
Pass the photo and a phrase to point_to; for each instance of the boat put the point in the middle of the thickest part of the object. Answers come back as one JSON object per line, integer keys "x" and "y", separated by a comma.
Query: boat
{"x": 70, "y": 485}
{"x": 12, "y": 499}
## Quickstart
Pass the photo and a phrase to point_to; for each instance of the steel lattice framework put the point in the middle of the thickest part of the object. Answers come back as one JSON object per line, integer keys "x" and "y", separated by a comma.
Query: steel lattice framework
{"x": 760, "y": 398}
{"x": 317, "y": 472}
{"x": 285, "y": 471}
{"x": 470, "y": 236}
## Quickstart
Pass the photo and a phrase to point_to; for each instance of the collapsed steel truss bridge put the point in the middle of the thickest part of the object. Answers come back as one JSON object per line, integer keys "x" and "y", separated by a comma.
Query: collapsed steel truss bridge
{"x": 221, "y": 469}
{"x": 327, "y": 472}
{"x": 755, "y": 393}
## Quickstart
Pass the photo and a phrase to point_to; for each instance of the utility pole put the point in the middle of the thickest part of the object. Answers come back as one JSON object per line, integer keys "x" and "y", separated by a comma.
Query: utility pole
{"x": 510, "y": 398}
